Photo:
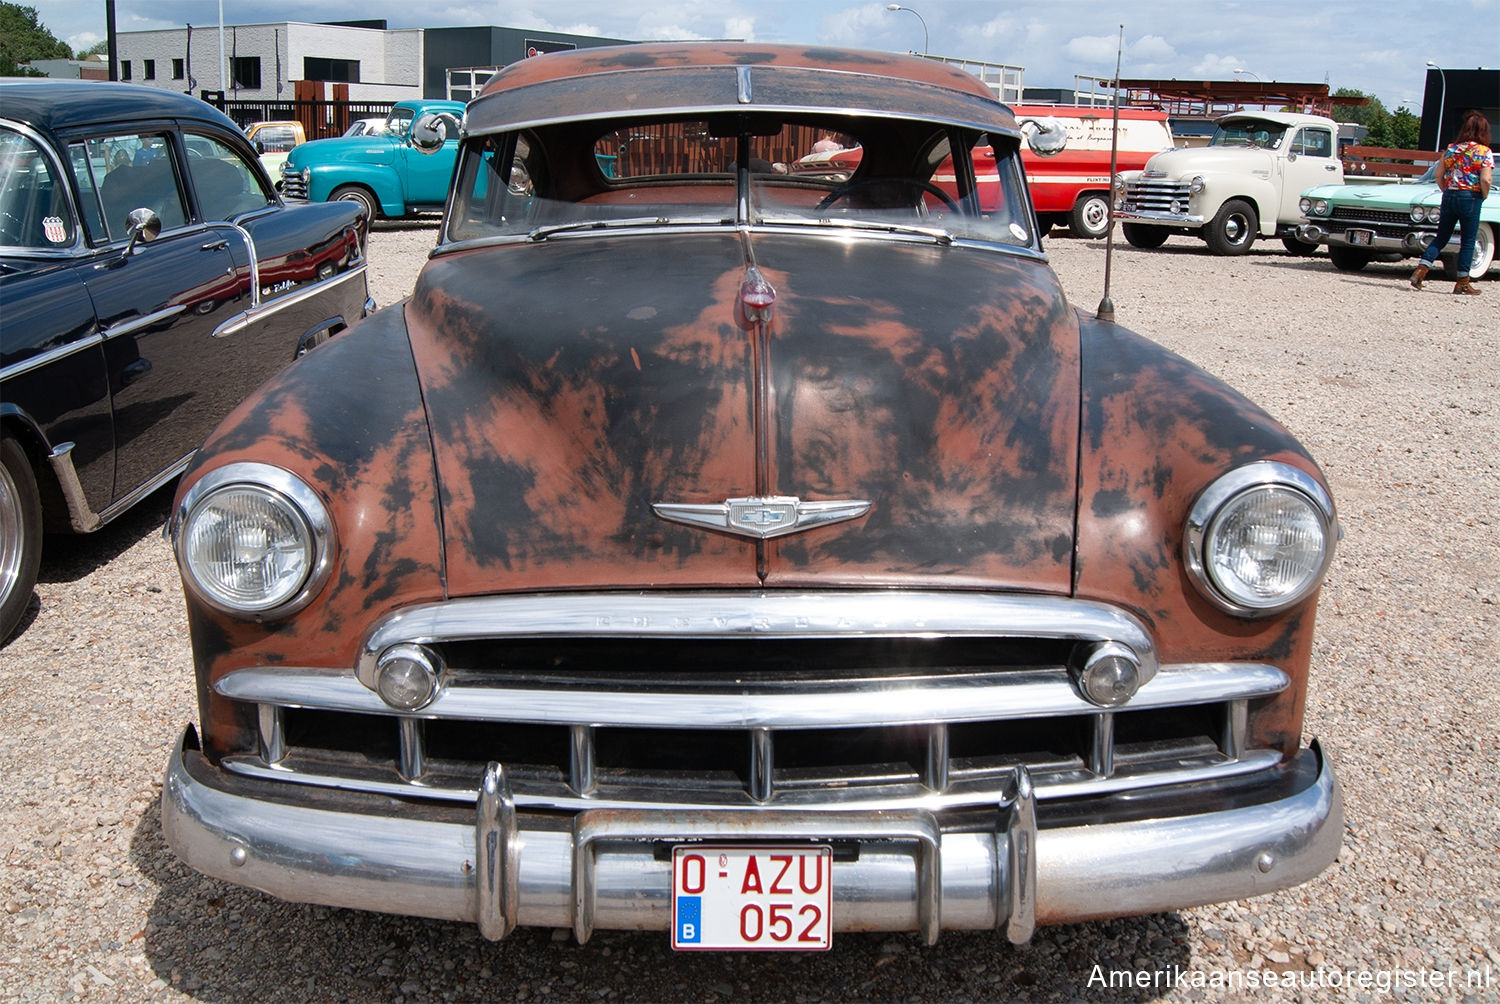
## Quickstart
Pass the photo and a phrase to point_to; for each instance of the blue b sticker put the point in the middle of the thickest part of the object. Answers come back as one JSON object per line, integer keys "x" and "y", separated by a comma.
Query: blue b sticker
{"x": 689, "y": 920}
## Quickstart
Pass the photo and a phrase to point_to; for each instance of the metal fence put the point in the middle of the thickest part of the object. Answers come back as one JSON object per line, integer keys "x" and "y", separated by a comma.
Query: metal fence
{"x": 320, "y": 119}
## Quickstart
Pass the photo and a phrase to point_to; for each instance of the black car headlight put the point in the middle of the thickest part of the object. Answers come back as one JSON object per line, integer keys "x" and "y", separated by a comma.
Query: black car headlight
{"x": 1260, "y": 538}
{"x": 253, "y": 540}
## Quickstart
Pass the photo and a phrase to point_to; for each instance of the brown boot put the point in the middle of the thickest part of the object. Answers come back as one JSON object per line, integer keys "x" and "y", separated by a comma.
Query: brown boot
{"x": 1464, "y": 285}
{"x": 1418, "y": 276}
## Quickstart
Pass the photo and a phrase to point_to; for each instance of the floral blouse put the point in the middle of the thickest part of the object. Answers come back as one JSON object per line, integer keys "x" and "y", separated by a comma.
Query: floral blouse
{"x": 1462, "y": 164}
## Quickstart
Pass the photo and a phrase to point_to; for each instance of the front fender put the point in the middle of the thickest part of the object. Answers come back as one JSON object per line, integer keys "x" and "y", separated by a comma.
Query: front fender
{"x": 1219, "y": 189}
{"x": 381, "y": 179}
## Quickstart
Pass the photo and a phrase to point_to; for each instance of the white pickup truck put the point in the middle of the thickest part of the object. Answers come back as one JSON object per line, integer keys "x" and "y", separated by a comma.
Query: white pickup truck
{"x": 1245, "y": 184}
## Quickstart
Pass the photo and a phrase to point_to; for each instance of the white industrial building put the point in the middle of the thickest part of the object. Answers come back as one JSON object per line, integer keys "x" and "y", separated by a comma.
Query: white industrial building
{"x": 262, "y": 61}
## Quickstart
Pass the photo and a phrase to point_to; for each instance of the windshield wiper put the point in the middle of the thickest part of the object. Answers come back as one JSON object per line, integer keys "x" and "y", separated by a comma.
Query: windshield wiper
{"x": 937, "y": 234}
{"x": 542, "y": 233}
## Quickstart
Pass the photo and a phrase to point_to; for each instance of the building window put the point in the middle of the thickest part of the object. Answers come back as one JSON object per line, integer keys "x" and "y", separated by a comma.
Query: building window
{"x": 124, "y": 69}
{"x": 177, "y": 69}
{"x": 339, "y": 71}
{"x": 246, "y": 72}
{"x": 148, "y": 69}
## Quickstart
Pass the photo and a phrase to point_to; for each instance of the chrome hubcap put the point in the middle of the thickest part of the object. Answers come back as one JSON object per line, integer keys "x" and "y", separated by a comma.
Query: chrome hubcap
{"x": 10, "y": 533}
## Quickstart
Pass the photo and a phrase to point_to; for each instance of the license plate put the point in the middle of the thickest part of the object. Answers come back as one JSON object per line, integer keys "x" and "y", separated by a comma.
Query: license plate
{"x": 752, "y": 898}
{"x": 1360, "y": 238}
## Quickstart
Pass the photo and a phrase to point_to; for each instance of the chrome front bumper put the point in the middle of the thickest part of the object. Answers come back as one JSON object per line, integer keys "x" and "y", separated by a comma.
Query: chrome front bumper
{"x": 1412, "y": 243}
{"x": 1158, "y": 217}
{"x": 604, "y": 869}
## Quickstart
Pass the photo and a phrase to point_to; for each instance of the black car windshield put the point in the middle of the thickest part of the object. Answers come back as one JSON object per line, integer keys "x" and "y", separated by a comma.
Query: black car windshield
{"x": 923, "y": 179}
{"x": 1249, "y": 132}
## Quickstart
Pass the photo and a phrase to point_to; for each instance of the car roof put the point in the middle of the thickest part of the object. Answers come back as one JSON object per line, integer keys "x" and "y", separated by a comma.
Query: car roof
{"x": 686, "y": 78}
{"x": 1286, "y": 118}
{"x": 60, "y": 105}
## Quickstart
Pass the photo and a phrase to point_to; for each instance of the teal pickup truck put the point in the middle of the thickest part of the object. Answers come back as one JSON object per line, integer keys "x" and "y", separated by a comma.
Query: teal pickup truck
{"x": 405, "y": 170}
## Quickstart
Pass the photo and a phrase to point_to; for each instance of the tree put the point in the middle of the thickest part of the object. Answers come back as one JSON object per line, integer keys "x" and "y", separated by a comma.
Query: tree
{"x": 23, "y": 38}
{"x": 1398, "y": 131}
{"x": 99, "y": 48}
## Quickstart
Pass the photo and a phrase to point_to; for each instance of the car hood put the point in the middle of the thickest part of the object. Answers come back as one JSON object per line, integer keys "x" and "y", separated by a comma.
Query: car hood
{"x": 1182, "y": 162}
{"x": 378, "y": 149}
{"x": 1399, "y": 197}
{"x": 604, "y": 376}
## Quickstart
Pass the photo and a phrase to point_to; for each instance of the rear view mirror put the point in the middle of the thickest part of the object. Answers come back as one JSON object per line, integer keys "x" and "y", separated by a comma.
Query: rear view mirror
{"x": 432, "y": 129}
{"x": 1046, "y": 136}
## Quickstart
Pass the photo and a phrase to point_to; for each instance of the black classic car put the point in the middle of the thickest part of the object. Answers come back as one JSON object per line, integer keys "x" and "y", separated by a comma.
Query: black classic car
{"x": 150, "y": 278}
{"x": 749, "y": 555}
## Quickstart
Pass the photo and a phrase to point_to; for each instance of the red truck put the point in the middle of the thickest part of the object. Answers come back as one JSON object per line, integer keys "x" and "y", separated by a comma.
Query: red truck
{"x": 1072, "y": 187}
{"x": 1069, "y": 188}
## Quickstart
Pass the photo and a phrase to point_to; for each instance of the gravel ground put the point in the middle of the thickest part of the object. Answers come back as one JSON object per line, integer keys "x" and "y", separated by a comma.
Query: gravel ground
{"x": 1395, "y": 392}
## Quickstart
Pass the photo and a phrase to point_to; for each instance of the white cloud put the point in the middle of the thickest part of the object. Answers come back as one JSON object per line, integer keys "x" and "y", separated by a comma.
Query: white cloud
{"x": 1215, "y": 67}
{"x": 740, "y": 27}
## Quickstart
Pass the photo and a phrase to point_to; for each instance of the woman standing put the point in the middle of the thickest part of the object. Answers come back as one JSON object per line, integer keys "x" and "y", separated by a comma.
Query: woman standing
{"x": 1464, "y": 174}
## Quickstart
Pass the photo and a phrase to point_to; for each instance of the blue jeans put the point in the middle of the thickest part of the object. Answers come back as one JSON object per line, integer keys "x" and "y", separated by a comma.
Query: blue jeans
{"x": 1459, "y": 207}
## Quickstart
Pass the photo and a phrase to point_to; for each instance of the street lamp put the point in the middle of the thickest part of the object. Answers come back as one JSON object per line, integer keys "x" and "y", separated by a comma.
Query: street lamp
{"x": 1437, "y": 136}
{"x": 1252, "y": 73}
{"x": 896, "y": 6}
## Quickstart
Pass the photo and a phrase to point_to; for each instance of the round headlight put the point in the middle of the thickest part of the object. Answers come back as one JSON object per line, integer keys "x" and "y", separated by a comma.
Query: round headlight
{"x": 252, "y": 540}
{"x": 1418, "y": 213}
{"x": 1196, "y": 185}
{"x": 1434, "y": 213}
{"x": 1260, "y": 538}
{"x": 1304, "y": 206}
{"x": 1320, "y": 207}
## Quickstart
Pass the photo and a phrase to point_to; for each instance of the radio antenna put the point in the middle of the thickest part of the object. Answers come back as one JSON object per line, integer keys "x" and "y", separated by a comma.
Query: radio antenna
{"x": 1106, "y": 305}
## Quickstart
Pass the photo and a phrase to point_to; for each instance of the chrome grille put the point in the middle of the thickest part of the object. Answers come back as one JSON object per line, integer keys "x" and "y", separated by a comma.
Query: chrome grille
{"x": 1157, "y": 195}
{"x": 293, "y": 185}
{"x": 860, "y": 700}
{"x": 1387, "y": 223}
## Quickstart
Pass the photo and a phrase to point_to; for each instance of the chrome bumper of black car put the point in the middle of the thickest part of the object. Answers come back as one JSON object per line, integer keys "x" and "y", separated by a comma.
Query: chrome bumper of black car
{"x": 1007, "y": 868}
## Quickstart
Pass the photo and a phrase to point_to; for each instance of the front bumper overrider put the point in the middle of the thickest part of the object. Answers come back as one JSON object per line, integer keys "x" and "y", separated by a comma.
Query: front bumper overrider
{"x": 610, "y": 869}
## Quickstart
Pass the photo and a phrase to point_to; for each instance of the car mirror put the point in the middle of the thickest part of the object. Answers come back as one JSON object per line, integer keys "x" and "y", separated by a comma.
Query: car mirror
{"x": 1045, "y": 136}
{"x": 432, "y": 129}
{"x": 143, "y": 226}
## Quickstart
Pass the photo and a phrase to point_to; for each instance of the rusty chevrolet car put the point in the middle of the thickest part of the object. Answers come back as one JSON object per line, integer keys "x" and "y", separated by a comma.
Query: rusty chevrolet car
{"x": 747, "y": 556}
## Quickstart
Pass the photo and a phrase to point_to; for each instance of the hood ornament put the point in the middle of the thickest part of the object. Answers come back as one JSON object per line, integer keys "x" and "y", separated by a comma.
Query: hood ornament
{"x": 761, "y": 517}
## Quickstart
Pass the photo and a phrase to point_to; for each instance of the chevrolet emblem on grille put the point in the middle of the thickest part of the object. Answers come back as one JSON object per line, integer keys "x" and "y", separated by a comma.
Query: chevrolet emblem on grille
{"x": 763, "y": 516}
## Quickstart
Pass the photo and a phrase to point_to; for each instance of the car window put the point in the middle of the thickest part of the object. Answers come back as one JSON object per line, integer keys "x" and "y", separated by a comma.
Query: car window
{"x": 34, "y": 211}
{"x": 803, "y": 173}
{"x": 138, "y": 172}
{"x": 227, "y": 186}
{"x": 1313, "y": 142}
{"x": 399, "y": 121}
{"x": 276, "y": 139}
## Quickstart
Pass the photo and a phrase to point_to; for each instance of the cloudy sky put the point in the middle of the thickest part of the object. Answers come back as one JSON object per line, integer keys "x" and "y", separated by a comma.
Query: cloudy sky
{"x": 1380, "y": 47}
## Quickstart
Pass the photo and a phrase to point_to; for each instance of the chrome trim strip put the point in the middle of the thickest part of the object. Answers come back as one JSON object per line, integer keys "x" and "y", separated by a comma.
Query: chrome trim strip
{"x": 935, "y": 766}
{"x": 758, "y": 614}
{"x": 1050, "y": 786}
{"x": 1236, "y": 728}
{"x": 832, "y": 704}
{"x": 393, "y": 860}
{"x": 144, "y": 321}
{"x": 41, "y": 359}
{"x": 1102, "y": 745}
{"x": 581, "y": 759}
{"x": 239, "y": 322}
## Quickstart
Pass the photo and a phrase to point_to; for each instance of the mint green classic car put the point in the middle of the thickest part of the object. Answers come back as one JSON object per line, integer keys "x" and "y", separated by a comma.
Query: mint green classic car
{"x": 1375, "y": 222}
{"x": 404, "y": 170}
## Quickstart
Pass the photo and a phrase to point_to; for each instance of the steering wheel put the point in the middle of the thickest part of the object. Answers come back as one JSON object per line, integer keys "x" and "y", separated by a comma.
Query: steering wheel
{"x": 850, "y": 187}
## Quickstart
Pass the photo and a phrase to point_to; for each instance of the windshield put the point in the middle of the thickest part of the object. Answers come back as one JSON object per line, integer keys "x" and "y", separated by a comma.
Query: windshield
{"x": 896, "y": 176}
{"x": 1249, "y": 132}
{"x": 399, "y": 121}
